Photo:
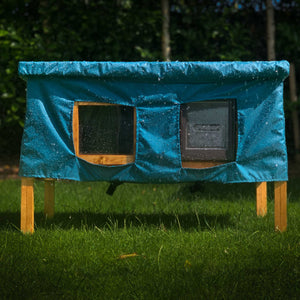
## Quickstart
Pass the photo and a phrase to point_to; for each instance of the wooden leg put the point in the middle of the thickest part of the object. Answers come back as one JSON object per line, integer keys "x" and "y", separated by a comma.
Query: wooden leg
{"x": 49, "y": 198}
{"x": 27, "y": 205}
{"x": 261, "y": 199}
{"x": 280, "y": 209}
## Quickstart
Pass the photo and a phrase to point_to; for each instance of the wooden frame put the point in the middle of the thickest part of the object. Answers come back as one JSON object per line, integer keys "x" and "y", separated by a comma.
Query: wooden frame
{"x": 102, "y": 159}
{"x": 27, "y": 203}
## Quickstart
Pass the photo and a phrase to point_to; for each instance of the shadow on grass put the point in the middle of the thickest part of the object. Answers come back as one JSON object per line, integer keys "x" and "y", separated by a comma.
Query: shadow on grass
{"x": 88, "y": 220}
{"x": 217, "y": 191}
{"x": 234, "y": 191}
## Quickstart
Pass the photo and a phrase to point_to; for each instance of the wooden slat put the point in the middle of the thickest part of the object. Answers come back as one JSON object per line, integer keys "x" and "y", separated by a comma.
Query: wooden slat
{"x": 106, "y": 159}
{"x": 49, "y": 198}
{"x": 200, "y": 164}
{"x": 85, "y": 103}
{"x": 27, "y": 205}
{"x": 261, "y": 199}
{"x": 76, "y": 128}
{"x": 280, "y": 202}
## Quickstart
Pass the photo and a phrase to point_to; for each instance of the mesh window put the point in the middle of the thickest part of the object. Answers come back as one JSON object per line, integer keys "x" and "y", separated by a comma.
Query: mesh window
{"x": 106, "y": 129}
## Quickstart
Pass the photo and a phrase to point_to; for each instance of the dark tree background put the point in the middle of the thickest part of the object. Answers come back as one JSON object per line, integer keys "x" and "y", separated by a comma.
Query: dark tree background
{"x": 131, "y": 30}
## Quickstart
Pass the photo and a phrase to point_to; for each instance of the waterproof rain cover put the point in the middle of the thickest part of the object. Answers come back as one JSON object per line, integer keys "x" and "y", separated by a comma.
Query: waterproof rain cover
{"x": 156, "y": 91}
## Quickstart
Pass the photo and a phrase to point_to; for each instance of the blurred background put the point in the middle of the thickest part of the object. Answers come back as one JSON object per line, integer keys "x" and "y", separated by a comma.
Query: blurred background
{"x": 149, "y": 30}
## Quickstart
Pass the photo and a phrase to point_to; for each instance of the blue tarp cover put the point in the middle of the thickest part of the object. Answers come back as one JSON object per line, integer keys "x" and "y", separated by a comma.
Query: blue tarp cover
{"x": 156, "y": 90}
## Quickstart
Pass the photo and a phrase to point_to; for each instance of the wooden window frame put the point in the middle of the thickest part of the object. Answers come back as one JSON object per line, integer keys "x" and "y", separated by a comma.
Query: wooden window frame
{"x": 101, "y": 159}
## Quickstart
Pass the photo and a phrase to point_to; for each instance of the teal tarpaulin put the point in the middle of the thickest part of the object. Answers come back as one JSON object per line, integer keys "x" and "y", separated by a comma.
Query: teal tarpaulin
{"x": 156, "y": 90}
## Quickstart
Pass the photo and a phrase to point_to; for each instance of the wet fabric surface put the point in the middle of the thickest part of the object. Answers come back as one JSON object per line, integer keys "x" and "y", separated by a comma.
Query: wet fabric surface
{"x": 156, "y": 91}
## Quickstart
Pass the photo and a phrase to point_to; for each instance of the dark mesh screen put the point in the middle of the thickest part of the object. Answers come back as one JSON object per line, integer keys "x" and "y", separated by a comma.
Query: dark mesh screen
{"x": 105, "y": 129}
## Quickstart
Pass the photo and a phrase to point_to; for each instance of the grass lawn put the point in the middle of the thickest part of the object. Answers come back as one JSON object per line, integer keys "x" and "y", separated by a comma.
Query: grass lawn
{"x": 149, "y": 242}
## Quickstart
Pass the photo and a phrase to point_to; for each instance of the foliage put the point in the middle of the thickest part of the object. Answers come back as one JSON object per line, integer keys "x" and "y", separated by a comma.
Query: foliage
{"x": 127, "y": 30}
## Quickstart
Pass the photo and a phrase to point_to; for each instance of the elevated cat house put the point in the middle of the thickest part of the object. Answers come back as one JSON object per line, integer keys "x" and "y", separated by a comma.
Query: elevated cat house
{"x": 158, "y": 122}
